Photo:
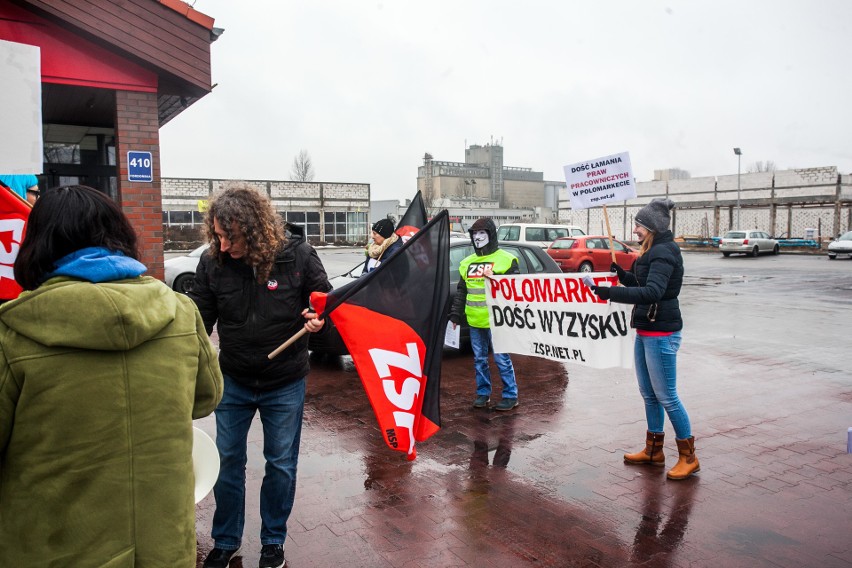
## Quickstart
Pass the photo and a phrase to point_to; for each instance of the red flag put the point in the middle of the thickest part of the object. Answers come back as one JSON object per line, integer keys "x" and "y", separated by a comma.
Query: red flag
{"x": 14, "y": 212}
{"x": 413, "y": 220}
{"x": 393, "y": 320}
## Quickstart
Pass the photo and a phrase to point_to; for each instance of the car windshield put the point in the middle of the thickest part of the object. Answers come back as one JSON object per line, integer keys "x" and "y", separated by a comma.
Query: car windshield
{"x": 199, "y": 251}
{"x": 846, "y": 236}
{"x": 735, "y": 235}
{"x": 563, "y": 244}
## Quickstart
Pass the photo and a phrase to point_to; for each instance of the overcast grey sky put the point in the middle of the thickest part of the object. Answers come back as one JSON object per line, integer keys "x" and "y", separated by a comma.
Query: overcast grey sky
{"x": 368, "y": 87}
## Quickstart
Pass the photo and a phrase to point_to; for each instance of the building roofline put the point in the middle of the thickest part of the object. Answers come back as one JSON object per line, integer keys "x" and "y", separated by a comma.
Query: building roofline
{"x": 189, "y": 13}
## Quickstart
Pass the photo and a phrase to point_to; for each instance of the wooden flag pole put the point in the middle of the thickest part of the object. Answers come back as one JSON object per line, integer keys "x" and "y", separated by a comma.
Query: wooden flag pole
{"x": 287, "y": 343}
{"x": 609, "y": 234}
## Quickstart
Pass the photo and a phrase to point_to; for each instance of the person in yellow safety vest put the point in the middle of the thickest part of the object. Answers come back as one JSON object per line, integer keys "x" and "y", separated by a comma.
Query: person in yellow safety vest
{"x": 469, "y": 303}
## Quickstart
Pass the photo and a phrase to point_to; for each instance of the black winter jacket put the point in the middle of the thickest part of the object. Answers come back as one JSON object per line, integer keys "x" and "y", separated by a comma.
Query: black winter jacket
{"x": 253, "y": 319}
{"x": 654, "y": 286}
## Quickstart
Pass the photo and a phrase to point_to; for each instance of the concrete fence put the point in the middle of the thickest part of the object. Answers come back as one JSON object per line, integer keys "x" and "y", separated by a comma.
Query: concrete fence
{"x": 814, "y": 203}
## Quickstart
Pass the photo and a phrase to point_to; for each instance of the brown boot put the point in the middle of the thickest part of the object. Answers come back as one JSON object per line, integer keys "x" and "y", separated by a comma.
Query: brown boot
{"x": 687, "y": 463}
{"x": 653, "y": 452}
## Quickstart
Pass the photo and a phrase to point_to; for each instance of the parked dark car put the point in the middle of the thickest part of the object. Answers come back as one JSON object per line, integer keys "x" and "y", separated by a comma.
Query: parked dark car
{"x": 590, "y": 254}
{"x": 531, "y": 260}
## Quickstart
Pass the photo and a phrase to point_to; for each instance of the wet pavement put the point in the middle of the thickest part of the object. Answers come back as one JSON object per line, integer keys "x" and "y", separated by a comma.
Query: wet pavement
{"x": 763, "y": 372}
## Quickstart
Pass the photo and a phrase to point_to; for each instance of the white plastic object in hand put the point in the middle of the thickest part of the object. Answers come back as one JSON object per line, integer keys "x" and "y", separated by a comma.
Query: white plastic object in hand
{"x": 587, "y": 280}
{"x": 205, "y": 463}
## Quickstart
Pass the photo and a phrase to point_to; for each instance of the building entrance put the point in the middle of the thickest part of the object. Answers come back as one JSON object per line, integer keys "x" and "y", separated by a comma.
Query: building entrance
{"x": 80, "y": 155}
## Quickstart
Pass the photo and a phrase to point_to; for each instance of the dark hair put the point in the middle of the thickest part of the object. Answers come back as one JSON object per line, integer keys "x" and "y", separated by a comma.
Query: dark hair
{"x": 65, "y": 220}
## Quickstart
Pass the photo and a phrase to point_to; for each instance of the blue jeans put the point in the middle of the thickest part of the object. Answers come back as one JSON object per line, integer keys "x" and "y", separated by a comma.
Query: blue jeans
{"x": 281, "y": 415}
{"x": 480, "y": 342}
{"x": 656, "y": 370}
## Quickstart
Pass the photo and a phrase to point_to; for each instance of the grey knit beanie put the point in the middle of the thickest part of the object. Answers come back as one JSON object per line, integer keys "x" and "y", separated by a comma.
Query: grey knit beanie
{"x": 655, "y": 216}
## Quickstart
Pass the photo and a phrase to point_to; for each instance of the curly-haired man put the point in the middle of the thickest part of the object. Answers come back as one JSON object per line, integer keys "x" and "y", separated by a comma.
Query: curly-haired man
{"x": 255, "y": 282}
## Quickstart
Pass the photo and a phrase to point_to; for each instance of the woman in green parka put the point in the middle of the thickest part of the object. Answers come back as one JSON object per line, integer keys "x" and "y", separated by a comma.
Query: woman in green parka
{"x": 102, "y": 371}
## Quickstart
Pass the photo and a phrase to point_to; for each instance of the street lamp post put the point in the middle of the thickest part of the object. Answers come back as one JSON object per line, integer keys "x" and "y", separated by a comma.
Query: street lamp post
{"x": 739, "y": 154}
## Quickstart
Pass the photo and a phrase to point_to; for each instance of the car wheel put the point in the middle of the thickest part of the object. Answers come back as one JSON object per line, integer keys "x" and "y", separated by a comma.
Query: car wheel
{"x": 726, "y": 254}
{"x": 586, "y": 267}
{"x": 832, "y": 256}
{"x": 183, "y": 283}
{"x": 776, "y": 250}
{"x": 755, "y": 251}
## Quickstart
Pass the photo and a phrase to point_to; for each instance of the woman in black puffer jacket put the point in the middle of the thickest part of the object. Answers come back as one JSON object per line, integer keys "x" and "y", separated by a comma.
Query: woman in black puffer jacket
{"x": 653, "y": 288}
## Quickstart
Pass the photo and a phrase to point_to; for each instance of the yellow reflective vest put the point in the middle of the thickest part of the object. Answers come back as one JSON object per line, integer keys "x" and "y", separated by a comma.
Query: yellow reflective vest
{"x": 472, "y": 270}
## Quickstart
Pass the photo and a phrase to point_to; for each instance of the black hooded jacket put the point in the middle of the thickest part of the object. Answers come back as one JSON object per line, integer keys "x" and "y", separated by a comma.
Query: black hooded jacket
{"x": 485, "y": 224}
{"x": 253, "y": 318}
{"x": 654, "y": 286}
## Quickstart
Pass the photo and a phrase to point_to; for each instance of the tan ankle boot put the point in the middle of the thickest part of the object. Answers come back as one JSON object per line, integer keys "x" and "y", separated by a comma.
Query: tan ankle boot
{"x": 653, "y": 452}
{"x": 687, "y": 462}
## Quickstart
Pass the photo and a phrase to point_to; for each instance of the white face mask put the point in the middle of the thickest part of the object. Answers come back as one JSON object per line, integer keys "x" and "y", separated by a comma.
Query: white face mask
{"x": 480, "y": 239}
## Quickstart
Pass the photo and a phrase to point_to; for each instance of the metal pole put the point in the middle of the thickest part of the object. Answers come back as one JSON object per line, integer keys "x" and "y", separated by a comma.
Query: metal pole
{"x": 739, "y": 160}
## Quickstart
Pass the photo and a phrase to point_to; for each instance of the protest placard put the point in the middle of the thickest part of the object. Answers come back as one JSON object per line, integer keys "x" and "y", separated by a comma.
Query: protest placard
{"x": 600, "y": 181}
{"x": 558, "y": 317}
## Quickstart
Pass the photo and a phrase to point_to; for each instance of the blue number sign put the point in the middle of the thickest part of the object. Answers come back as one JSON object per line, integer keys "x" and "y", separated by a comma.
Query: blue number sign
{"x": 140, "y": 167}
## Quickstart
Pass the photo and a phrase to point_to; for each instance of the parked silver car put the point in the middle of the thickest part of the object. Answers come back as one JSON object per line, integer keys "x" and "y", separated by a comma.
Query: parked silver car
{"x": 840, "y": 245}
{"x": 748, "y": 241}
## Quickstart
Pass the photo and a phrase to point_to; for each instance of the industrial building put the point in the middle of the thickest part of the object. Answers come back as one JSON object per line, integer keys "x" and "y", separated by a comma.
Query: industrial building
{"x": 483, "y": 185}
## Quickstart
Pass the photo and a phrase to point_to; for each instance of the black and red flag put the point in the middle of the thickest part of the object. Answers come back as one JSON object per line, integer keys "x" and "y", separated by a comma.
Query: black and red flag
{"x": 393, "y": 320}
{"x": 413, "y": 219}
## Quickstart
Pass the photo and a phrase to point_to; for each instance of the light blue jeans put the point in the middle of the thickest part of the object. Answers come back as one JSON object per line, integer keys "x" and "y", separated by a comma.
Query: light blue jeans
{"x": 480, "y": 342}
{"x": 656, "y": 370}
{"x": 281, "y": 415}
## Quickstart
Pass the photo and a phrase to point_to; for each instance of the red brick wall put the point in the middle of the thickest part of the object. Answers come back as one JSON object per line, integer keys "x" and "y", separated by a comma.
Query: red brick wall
{"x": 137, "y": 129}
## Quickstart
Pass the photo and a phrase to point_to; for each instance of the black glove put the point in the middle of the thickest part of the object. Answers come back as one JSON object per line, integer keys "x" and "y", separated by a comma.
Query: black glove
{"x": 454, "y": 319}
{"x": 618, "y": 270}
{"x": 601, "y": 291}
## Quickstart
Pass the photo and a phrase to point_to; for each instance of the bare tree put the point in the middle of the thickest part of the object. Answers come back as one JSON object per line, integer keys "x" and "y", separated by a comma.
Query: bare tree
{"x": 303, "y": 167}
{"x": 767, "y": 166}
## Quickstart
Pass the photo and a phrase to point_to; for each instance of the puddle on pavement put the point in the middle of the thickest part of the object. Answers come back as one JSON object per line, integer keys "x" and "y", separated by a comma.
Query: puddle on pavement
{"x": 723, "y": 279}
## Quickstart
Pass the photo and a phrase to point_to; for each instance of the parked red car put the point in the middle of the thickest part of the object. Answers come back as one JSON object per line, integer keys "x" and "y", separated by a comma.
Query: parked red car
{"x": 590, "y": 254}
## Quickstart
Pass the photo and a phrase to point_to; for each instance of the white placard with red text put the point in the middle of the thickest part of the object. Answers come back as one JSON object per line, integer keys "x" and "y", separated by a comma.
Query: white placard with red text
{"x": 556, "y": 316}
{"x": 600, "y": 181}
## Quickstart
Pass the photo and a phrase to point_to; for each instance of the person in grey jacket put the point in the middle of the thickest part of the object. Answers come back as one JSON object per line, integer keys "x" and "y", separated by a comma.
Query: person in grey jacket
{"x": 653, "y": 287}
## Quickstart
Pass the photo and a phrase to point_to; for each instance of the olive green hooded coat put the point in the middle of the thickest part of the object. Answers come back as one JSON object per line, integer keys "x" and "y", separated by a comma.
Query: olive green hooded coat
{"x": 99, "y": 384}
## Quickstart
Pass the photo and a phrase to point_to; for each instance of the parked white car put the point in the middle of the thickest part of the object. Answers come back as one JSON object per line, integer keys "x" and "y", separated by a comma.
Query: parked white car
{"x": 535, "y": 233}
{"x": 750, "y": 241}
{"x": 840, "y": 245}
{"x": 180, "y": 271}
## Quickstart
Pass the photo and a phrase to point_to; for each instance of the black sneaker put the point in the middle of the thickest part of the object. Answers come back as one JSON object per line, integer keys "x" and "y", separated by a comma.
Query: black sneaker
{"x": 272, "y": 556}
{"x": 219, "y": 558}
{"x": 481, "y": 401}
{"x": 506, "y": 404}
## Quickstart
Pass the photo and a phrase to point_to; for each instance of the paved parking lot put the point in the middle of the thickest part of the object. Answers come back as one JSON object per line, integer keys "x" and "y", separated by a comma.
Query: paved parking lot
{"x": 764, "y": 373}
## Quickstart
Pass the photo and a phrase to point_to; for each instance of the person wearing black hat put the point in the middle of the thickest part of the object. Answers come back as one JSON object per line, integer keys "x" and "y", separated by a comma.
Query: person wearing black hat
{"x": 653, "y": 287}
{"x": 469, "y": 304}
{"x": 385, "y": 244}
